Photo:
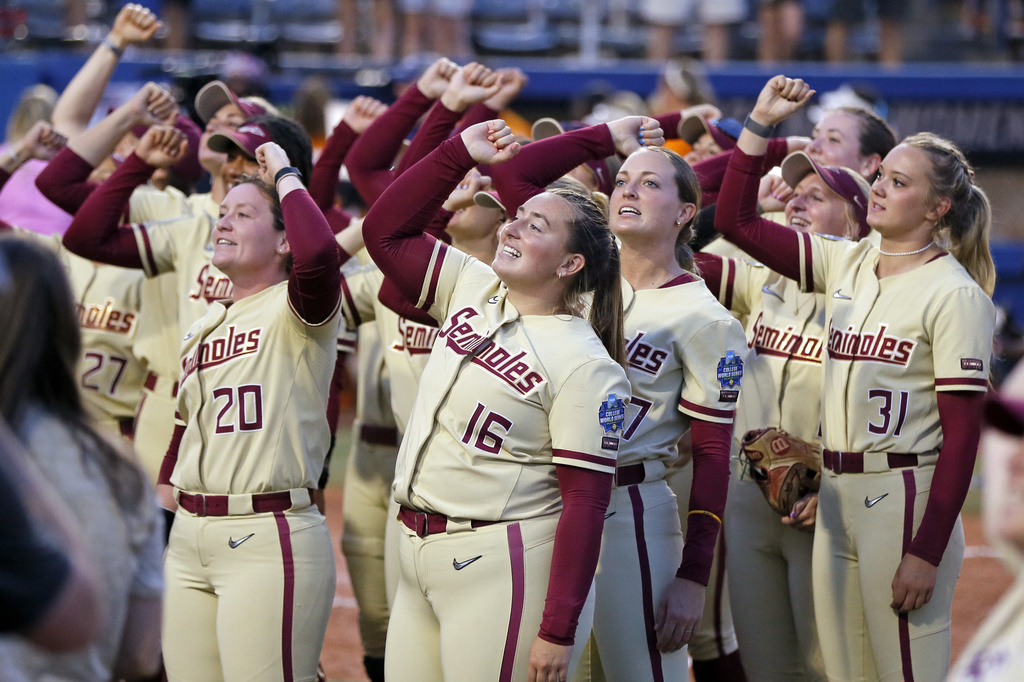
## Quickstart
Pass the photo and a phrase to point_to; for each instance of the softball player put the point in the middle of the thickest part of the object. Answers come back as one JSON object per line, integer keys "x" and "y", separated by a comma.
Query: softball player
{"x": 526, "y": 430}
{"x": 994, "y": 652}
{"x": 684, "y": 360}
{"x": 902, "y": 391}
{"x": 254, "y": 388}
{"x": 770, "y": 562}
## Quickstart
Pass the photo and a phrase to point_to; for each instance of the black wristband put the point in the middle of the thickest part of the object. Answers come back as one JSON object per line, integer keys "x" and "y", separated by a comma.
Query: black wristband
{"x": 287, "y": 170}
{"x": 109, "y": 44}
{"x": 758, "y": 129}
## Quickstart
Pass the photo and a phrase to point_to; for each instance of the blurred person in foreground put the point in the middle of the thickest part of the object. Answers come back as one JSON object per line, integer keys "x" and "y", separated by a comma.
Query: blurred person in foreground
{"x": 996, "y": 651}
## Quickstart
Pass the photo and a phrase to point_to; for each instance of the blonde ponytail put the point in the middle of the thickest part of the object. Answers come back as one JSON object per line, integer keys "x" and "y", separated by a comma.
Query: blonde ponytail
{"x": 964, "y": 228}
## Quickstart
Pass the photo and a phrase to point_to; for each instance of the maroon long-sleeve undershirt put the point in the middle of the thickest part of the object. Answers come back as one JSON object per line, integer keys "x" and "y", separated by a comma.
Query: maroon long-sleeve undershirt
{"x": 370, "y": 159}
{"x": 540, "y": 163}
{"x": 314, "y": 283}
{"x": 711, "y": 172}
{"x": 435, "y": 129}
{"x": 394, "y": 236}
{"x": 95, "y": 232}
{"x": 960, "y": 415}
{"x": 65, "y": 181}
{"x": 708, "y": 493}
{"x": 323, "y": 185}
{"x": 736, "y": 218}
{"x": 585, "y": 496}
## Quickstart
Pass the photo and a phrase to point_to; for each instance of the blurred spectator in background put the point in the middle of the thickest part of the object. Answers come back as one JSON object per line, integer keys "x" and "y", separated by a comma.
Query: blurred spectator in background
{"x": 309, "y": 104}
{"x": 846, "y": 13}
{"x": 175, "y": 14}
{"x": 437, "y": 26}
{"x": 667, "y": 16}
{"x": 681, "y": 84}
{"x": 781, "y": 24}
{"x": 361, "y": 34}
{"x": 21, "y": 203}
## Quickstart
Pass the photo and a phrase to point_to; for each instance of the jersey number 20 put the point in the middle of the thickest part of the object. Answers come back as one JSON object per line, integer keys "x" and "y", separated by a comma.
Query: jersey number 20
{"x": 248, "y": 416}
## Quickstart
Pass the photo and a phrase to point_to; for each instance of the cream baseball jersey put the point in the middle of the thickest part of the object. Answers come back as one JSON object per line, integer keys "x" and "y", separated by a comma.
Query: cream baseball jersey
{"x": 405, "y": 344}
{"x": 183, "y": 245}
{"x": 503, "y": 398}
{"x": 108, "y": 301}
{"x": 786, "y": 341}
{"x": 157, "y": 337}
{"x": 885, "y": 364}
{"x": 240, "y": 438}
{"x": 685, "y": 355}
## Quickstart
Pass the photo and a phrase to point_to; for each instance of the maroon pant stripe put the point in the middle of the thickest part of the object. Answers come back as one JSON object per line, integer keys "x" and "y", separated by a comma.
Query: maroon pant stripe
{"x": 515, "y": 617}
{"x": 287, "y": 612}
{"x": 910, "y": 486}
{"x": 645, "y": 583}
{"x": 719, "y": 589}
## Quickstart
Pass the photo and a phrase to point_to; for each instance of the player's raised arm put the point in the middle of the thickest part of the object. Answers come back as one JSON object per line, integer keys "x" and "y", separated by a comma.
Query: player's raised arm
{"x": 95, "y": 233}
{"x": 544, "y": 161}
{"x": 370, "y": 160}
{"x": 393, "y": 229}
{"x": 360, "y": 114}
{"x": 469, "y": 85}
{"x": 77, "y": 103}
{"x": 314, "y": 283}
{"x": 736, "y": 216}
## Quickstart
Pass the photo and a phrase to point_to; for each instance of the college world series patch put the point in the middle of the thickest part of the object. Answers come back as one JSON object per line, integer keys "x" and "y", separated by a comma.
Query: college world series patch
{"x": 730, "y": 373}
{"x": 611, "y": 414}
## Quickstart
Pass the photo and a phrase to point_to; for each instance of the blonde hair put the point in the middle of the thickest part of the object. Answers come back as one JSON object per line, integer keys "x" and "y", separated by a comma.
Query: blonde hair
{"x": 964, "y": 228}
{"x": 36, "y": 104}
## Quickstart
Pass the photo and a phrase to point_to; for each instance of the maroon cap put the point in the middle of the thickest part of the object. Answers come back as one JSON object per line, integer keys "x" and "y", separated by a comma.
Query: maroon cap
{"x": 845, "y": 182}
{"x": 215, "y": 95}
{"x": 1005, "y": 413}
{"x": 724, "y": 131}
{"x": 247, "y": 138}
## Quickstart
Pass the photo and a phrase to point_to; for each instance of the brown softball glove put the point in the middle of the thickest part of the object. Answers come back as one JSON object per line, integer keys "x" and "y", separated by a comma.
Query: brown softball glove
{"x": 785, "y": 467}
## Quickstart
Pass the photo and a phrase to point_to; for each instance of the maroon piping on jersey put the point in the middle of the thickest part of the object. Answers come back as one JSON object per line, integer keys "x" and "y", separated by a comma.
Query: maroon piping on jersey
{"x": 646, "y": 589}
{"x": 517, "y": 559}
{"x": 910, "y": 487}
{"x": 288, "y": 606}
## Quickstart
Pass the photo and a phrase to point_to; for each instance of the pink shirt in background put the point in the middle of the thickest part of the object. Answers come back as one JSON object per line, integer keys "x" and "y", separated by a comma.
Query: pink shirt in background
{"x": 22, "y": 205}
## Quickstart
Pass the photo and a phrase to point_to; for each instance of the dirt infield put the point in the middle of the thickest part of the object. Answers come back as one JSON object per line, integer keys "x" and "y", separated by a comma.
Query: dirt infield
{"x": 982, "y": 582}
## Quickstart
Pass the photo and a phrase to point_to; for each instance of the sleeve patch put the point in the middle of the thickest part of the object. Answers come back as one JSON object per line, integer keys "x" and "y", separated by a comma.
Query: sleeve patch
{"x": 730, "y": 371}
{"x": 611, "y": 415}
{"x": 972, "y": 364}
{"x": 728, "y": 396}
{"x": 609, "y": 443}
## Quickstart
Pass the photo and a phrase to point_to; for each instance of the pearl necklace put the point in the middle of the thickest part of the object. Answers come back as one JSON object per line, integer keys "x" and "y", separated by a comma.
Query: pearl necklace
{"x": 907, "y": 253}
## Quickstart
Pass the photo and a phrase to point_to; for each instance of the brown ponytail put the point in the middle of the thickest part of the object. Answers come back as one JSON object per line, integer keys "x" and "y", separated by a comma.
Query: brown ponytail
{"x": 589, "y": 236}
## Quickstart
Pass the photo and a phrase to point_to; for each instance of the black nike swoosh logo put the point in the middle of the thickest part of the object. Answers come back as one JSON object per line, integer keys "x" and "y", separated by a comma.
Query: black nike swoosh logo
{"x": 609, "y": 515}
{"x": 459, "y": 565}
{"x": 235, "y": 543}
{"x": 871, "y": 503}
